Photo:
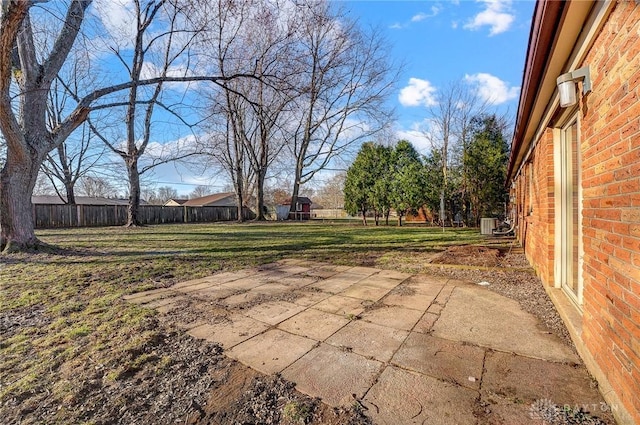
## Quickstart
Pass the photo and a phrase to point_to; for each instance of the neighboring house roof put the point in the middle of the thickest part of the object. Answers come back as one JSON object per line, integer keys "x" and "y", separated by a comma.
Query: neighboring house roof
{"x": 81, "y": 200}
{"x": 227, "y": 199}
{"x": 556, "y": 27}
{"x": 175, "y": 202}
{"x": 301, "y": 200}
{"x": 316, "y": 206}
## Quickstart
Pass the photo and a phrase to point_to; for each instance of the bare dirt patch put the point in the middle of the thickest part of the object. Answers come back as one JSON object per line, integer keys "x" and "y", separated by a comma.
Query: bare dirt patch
{"x": 469, "y": 255}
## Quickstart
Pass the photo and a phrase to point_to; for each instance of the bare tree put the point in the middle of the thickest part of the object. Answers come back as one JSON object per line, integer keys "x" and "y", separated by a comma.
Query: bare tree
{"x": 141, "y": 103}
{"x": 200, "y": 191}
{"x": 165, "y": 193}
{"x": 448, "y": 131}
{"x": 78, "y": 154}
{"x": 25, "y": 83}
{"x": 252, "y": 137}
{"x": 159, "y": 196}
{"x": 223, "y": 141}
{"x": 331, "y": 193}
{"x": 70, "y": 161}
{"x": 96, "y": 187}
{"x": 345, "y": 79}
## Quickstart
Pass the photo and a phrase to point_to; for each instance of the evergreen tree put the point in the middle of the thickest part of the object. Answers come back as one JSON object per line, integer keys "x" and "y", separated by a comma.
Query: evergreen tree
{"x": 485, "y": 161}
{"x": 360, "y": 181}
{"x": 408, "y": 185}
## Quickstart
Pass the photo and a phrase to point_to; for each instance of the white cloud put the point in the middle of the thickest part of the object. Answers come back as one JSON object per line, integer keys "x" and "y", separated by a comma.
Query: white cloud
{"x": 497, "y": 15}
{"x": 419, "y": 17}
{"x": 418, "y": 93}
{"x": 435, "y": 9}
{"x": 421, "y": 134}
{"x": 118, "y": 18}
{"x": 417, "y": 139}
{"x": 492, "y": 89}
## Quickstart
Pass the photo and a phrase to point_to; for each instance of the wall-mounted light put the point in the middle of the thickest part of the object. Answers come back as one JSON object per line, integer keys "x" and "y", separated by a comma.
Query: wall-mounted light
{"x": 567, "y": 85}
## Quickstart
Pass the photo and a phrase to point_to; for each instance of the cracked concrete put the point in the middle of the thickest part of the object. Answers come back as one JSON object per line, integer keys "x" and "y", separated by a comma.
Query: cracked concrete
{"x": 409, "y": 348}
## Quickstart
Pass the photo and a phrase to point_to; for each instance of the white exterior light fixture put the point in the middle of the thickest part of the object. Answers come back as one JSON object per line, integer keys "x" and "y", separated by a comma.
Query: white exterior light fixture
{"x": 567, "y": 85}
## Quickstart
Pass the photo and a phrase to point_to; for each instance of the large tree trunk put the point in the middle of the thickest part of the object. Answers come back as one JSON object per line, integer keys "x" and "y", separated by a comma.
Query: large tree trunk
{"x": 239, "y": 187}
{"x": 17, "y": 180}
{"x": 134, "y": 194}
{"x": 260, "y": 177}
{"x": 66, "y": 172}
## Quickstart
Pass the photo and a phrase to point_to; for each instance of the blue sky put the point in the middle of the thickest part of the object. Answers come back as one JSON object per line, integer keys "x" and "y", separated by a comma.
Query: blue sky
{"x": 482, "y": 43}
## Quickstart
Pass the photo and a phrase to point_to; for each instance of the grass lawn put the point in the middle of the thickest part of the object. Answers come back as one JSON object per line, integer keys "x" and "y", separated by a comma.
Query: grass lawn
{"x": 64, "y": 325}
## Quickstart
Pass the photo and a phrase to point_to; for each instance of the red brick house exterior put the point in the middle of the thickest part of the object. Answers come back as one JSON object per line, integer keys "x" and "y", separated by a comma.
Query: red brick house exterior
{"x": 574, "y": 174}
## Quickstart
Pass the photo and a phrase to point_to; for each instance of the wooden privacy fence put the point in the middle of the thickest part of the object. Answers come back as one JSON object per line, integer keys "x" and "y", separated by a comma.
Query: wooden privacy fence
{"x": 53, "y": 216}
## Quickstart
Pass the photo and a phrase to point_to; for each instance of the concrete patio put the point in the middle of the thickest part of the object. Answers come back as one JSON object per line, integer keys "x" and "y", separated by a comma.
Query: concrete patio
{"x": 409, "y": 348}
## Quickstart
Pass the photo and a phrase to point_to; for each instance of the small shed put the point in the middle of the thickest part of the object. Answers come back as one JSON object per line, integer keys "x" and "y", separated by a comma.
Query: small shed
{"x": 302, "y": 210}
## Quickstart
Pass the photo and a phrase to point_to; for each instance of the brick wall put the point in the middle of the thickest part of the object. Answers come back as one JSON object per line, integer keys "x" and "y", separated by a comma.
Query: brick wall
{"x": 534, "y": 193}
{"x": 611, "y": 204}
{"x": 610, "y": 173}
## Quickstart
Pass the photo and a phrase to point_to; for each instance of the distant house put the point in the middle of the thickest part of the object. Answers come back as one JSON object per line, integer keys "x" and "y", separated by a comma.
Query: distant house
{"x": 175, "y": 202}
{"x": 226, "y": 199}
{"x": 574, "y": 174}
{"x": 302, "y": 210}
{"x": 80, "y": 200}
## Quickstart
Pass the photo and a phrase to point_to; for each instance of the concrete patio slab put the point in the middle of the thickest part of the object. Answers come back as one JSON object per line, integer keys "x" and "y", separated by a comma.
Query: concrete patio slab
{"x": 333, "y": 375}
{"x": 393, "y": 316}
{"x": 419, "y": 349}
{"x": 214, "y": 293}
{"x": 485, "y": 318}
{"x": 364, "y": 271}
{"x": 271, "y": 351}
{"x": 413, "y": 300}
{"x": 376, "y": 281}
{"x": 246, "y": 283}
{"x": 364, "y": 292}
{"x": 236, "y": 329}
{"x": 405, "y": 397}
{"x": 237, "y": 300}
{"x": 216, "y": 279}
{"x": 324, "y": 272}
{"x": 337, "y": 283}
{"x": 337, "y": 304}
{"x": 272, "y": 288}
{"x": 369, "y": 340}
{"x": 513, "y": 386}
{"x": 165, "y": 301}
{"x": 425, "y": 283}
{"x": 274, "y": 312}
{"x": 297, "y": 281}
{"x": 518, "y": 377}
{"x": 296, "y": 269}
{"x": 439, "y": 358}
{"x": 198, "y": 285}
{"x": 309, "y": 298}
{"x": 314, "y": 324}
{"x": 425, "y": 324}
{"x": 393, "y": 274}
